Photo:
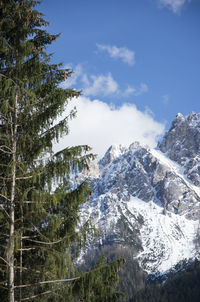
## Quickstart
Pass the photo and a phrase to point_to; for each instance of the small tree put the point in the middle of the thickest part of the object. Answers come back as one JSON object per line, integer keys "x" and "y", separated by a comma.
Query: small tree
{"x": 38, "y": 226}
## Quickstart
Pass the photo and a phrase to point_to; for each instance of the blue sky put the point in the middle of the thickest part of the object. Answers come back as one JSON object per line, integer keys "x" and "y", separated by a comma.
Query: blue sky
{"x": 144, "y": 53}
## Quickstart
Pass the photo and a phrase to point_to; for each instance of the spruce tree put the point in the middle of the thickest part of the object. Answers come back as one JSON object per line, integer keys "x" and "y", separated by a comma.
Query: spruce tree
{"x": 38, "y": 223}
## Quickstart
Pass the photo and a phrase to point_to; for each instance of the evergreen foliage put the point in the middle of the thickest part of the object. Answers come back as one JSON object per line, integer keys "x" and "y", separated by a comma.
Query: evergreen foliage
{"x": 131, "y": 277}
{"x": 37, "y": 225}
{"x": 184, "y": 287}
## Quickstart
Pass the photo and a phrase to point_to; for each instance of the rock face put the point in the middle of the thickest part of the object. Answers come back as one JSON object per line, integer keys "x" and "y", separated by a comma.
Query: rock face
{"x": 182, "y": 144}
{"x": 149, "y": 200}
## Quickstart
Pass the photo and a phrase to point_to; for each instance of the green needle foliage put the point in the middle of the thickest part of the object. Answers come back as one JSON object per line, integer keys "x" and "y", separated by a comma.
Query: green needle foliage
{"x": 183, "y": 286}
{"x": 38, "y": 226}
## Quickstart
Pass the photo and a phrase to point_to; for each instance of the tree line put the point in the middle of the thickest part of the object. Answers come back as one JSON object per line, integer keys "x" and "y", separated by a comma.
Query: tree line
{"x": 183, "y": 286}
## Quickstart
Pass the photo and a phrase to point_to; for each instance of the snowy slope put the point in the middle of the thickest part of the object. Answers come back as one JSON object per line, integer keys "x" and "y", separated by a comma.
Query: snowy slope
{"x": 166, "y": 239}
{"x": 144, "y": 201}
{"x": 176, "y": 168}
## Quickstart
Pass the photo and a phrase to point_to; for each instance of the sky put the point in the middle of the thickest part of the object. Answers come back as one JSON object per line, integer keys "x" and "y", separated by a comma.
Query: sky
{"x": 137, "y": 63}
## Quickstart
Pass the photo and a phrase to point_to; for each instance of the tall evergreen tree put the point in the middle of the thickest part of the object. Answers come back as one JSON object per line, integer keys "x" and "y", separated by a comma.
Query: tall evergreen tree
{"x": 38, "y": 226}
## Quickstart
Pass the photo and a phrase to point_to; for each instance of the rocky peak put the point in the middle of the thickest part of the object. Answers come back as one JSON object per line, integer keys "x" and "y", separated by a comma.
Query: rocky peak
{"x": 182, "y": 144}
{"x": 111, "y": 154}
{"x": 143, "y": 201}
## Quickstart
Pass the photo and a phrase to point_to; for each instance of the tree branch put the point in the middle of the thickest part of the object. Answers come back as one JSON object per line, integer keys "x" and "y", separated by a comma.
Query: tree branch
{"x": 4, "y": 151}
{"x": 35, "y": 296}
{"x": 4, "y": 211}
{"x": 1, "y": 195}
{"x": 4, "y": 260}
{"x": 24, "y": 177}
{"x": 27, "y": 249}
{"x": 47, "y": 282}
{"x": 46, "y": 243}
{"x": 5, "y": 178}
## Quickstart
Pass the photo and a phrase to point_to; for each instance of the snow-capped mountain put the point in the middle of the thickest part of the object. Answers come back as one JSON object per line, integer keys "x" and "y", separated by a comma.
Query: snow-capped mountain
{"x": 182, "y": 144}
{"x": 148, "y": 200}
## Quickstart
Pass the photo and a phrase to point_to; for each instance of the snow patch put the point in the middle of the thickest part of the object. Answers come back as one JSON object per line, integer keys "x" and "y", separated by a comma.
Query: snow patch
{"x": 166, "y": 239}
{"x": 176, "y": 168}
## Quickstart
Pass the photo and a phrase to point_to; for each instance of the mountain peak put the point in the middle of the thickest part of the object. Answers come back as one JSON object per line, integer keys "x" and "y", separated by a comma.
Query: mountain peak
{"x": 179, "y": 116}
{"x": 147, "y": 200}
{"x": 113, "y": 152}
{"x": 181, "y": 144}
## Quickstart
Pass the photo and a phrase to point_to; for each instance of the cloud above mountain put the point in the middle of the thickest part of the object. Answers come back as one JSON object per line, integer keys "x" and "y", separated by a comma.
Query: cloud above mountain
{"x": 100, "y": 125}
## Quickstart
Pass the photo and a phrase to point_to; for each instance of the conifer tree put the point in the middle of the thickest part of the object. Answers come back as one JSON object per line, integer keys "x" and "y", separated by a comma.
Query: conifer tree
{"x": 37, "y": 224}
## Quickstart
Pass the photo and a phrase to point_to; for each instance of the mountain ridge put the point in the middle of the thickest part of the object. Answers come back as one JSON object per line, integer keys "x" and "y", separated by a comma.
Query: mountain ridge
{"x": 148, "y": 199}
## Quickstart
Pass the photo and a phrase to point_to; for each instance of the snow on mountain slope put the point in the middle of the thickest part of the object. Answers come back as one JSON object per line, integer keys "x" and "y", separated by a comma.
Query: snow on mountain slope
{"x": 166, "y": 239}
{"x": 176, "y": 168}
{"x": 147, "y": 201}
{"x": 182, "y": 144}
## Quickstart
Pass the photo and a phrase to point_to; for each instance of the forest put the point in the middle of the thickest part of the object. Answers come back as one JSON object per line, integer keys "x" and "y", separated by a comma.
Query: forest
{"x": 181, "y": 283}
{"x": 183, "y": 286}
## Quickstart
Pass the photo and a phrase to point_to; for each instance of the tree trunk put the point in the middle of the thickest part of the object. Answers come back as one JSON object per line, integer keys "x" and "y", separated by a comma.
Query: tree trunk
{"x": 12, "y": 209}
{"x": 21, "y": 257}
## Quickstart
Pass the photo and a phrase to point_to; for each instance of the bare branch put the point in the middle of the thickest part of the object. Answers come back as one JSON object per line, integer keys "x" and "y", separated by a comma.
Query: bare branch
{"x": 31, "y": 201}
{"x": 35, "y": 296}
{"x": 27, "y": 177}
{"x": 46, "y": 243}
{"x": 47, "y": 282}
{"x": 4, "y": 210}
{"x": 3, "y": 149}
{"x": 5, "y": 178}
{"x": 28, "y": 237}
{"x": 4, "y": 260}
{"x": 27, "y": 249}
{"x": 3, "y": 282}
{"x": 3, "y": 117}
{"x": 24, "y": 177}
{"x": 1, "y": 195}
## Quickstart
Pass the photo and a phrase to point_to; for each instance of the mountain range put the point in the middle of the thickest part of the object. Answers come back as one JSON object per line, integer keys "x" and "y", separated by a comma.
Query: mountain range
{"x": 146, "y": 202}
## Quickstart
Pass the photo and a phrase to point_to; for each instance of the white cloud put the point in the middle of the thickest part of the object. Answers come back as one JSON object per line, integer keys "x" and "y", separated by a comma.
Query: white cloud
{"x": 136, "y": 91}
{"x": 174, "y": 5}
{"x": 100, "y": 125}
{"x": 77, "y": 73}
{"x": 130, "y": 90}
{"x": 123, "y": 53}
{"x": 92, "y": 85}
{"x": 99, "y": 85}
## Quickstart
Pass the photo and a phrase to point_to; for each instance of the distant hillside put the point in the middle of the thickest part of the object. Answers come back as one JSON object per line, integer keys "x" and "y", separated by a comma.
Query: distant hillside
{"x": 183, "y": 287}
